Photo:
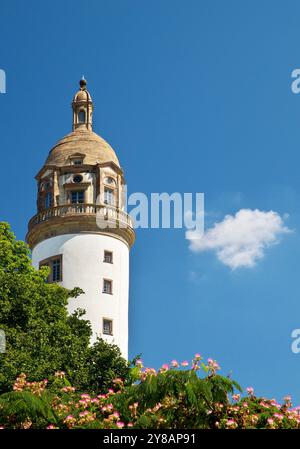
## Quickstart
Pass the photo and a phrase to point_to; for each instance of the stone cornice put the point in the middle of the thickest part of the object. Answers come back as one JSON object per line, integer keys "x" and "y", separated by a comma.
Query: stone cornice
{"x": 78, "y": 168}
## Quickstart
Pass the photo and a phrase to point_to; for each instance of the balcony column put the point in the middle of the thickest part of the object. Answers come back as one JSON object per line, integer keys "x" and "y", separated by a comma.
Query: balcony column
{"x": 119, "y": 192}
{"x": 97, "y": 185}
{"x": 55, "y": 188}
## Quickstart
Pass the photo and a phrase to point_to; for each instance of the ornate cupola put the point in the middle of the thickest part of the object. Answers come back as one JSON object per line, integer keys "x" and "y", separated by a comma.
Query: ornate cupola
{"x": 81, "y": 230}
{"x": 82, "y": 106}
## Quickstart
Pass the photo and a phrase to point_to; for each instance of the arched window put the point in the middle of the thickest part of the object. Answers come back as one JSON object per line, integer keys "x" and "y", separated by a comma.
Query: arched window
{"x": 109, "y": 180}
{"x": 81, "y": 117}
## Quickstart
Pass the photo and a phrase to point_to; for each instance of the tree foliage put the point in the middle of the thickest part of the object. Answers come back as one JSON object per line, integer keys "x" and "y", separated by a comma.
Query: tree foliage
{"x": 41, "y": 338}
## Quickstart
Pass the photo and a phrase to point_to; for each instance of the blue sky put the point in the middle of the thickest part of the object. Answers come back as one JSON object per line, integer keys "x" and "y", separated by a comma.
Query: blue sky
{"x": 194, "y": 97}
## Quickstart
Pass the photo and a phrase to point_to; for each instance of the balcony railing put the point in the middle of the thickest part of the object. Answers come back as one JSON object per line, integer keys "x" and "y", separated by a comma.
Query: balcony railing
{"x": 101, "y": 212}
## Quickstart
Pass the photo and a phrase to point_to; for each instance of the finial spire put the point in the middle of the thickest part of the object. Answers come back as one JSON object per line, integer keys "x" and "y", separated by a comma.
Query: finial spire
{"x": 82, "y": 83}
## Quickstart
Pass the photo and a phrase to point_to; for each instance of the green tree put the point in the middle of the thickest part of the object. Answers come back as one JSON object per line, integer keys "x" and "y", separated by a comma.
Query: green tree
{"x": 41, "y": 337}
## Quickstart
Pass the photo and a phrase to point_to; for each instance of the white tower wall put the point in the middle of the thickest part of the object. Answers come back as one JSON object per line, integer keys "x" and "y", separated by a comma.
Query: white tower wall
{"x": 83, "y": 266}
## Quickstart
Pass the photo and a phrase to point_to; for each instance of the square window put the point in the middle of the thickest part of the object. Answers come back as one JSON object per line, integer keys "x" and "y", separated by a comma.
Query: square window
{"x": 55, "y": 265}
{"x": 77, "y": 196}
{"x": 107, "y": 327}
{"x": 107, "y": 286}
{"x": 108, "y": 256}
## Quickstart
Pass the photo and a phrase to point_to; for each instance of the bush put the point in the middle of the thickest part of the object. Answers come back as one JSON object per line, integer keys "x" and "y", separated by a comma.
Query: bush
{"x": 195, "y": 397}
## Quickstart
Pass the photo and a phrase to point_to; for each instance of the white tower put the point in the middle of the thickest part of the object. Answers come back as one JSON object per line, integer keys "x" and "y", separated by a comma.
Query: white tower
{"x": 81, "y": 230}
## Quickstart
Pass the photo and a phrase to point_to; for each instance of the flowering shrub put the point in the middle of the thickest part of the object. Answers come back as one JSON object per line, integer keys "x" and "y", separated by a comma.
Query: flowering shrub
{"x": 180, "y": 395}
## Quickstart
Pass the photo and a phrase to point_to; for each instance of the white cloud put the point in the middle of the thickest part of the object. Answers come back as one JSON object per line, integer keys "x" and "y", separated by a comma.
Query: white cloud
{"x": 240, "y": 240}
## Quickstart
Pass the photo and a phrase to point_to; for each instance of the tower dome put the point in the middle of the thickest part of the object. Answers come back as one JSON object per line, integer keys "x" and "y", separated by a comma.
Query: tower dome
{"x": 94, "y": 147}
{"x": 81, "y": 230}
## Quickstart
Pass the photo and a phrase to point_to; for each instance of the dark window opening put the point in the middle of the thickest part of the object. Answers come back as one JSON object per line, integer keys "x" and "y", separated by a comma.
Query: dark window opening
{"x": 107, "y": 327}
{"x": 56, "y": 270}
{"x": 81, "y": 117}
{"x": 107, "y": 286}
{"x": 77, "y": 178}
{"x": 108, "y": 257}
{"x": 48, "y": 200}
{"x": 77, "y": 196}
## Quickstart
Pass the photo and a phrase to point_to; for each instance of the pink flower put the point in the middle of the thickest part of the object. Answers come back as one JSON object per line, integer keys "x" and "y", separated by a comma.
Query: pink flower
{"x": 68, "y": 389}
{"x": 278, "y": 416}
{"x": 174, "y": 363}
{"x": 85, "y": 396}
{"x": 70, "y": 420}
{"x": 185, "y": 363}
{"x": 236, "y": 397}
{"x": 231, "y": 424}
{"x": 250, "y": 390}
{"x": 139, "y": 363}
{"x": 120, "y": 424}
{"x": 151, "y": 371}
{"x": 197, "y": 356}
{"x": 165, "y": 366}
{"x": 118, "y": 380}
{"x": 263, "y": 404}
{"x": 130, "y": 424}
{"x": 213, "y": 365}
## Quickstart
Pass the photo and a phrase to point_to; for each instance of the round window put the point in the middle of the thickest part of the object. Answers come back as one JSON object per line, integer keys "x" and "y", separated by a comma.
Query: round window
{"x": 109, "y": 180}
{"x": 77, "y": 178}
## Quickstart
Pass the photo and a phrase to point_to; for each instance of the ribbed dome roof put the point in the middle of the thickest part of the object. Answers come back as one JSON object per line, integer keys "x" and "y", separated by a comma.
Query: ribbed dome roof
{"x": 82, "y": 140}
{"x": 82, "y": 95}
